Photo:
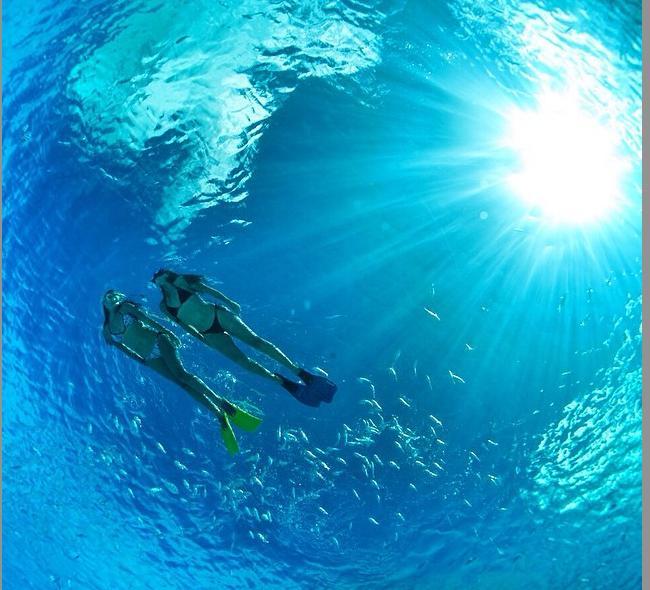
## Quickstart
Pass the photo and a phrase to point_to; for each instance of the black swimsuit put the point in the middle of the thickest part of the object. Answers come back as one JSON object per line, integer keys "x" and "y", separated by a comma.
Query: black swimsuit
{"x": 183, "y": 296}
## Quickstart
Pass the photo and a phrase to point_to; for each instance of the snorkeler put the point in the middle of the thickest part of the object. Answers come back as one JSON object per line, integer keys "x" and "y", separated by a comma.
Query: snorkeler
{"x": 216, "y": 325}
{"x": 153, "y": 345}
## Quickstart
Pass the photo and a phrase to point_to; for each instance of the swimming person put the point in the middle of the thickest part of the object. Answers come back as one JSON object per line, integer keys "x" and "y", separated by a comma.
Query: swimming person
{"x": 153, "y": 345}
{"x": 217, "y": 324}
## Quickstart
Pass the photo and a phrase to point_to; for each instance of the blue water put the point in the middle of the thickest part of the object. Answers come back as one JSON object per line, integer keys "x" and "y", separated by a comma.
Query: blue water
{"x": 338, "y": 168}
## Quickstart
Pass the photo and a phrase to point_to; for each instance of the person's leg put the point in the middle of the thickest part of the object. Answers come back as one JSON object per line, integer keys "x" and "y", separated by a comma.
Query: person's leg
{"x": 225, "y": 345}
{"x": 238, "y": 329}
{"x": 169, "y": 364}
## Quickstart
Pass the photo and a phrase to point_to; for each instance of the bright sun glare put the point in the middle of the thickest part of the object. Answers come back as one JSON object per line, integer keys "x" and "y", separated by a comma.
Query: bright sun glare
{"x": 569, "y": 169}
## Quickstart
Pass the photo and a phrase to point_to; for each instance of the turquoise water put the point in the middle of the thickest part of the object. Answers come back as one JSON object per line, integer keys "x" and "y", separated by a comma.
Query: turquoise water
{"x": 437, "y": 203}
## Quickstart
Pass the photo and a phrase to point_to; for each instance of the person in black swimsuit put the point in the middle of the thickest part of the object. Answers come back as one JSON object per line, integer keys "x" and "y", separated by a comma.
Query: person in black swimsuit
{"x": 216, "y": 324}
{"x": 150, "y": 343}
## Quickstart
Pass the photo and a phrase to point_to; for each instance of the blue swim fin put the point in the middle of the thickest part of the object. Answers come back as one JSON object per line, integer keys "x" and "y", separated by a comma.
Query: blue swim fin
{"x": 299, "y": 391}
{"x": 320, "y": 387}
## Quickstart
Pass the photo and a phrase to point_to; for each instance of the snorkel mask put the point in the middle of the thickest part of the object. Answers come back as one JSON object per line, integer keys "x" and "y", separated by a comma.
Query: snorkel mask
{"x": 112, "y": 299}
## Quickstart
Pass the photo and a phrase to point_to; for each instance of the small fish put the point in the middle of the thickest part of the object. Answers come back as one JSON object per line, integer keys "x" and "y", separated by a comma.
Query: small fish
{"x": 428, "y": 380}
{"x": 400, "y": 516}
{"x": 473, "y": 454}
{"x": 415, "y": 368}
{"x": 431, "y": 473}
{"x": 494, "y": 444}
{"x": 374, "y": 484}
{"x": 433, "y": 314}
{"x": 162, "y": 449}
{"x": 369, "y": 383}
{"x": 336, "y": 542}
{"x": 341, "y": 460}
{"x": 320, "y": 476}
{"x": 311, "y": 455}
{"x": 435, "y": 419}
{"x": 455, "y": 378}
{"x": 392, "y": 371}
{"x": 469, "y": 347}
{"x": 262, "y": 538}
{"x": 404, "y": 402}
{"x": 373, "y": 521}
{"x": 180, "y": 466}
{"x": 377, "y": 460}
{"x": 467, "y": 502}
{"x": 438, "y": 465}
{"x": 440, "y": 441}
{"x": 412, "y": 486}
{"x": 356, "y": 494}
{"x": 257, "y": 481}
{"x": 394, "y": 465}
{"x": 323, "y": 511}
{"x": 420, "y": 463}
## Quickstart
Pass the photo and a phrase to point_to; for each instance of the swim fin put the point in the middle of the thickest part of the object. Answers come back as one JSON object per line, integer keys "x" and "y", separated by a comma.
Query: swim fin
{"x": 321, "y": 387}
{"x": 228, "y": 435}
{"x": 242, "y": 419}
{"x": 299, "y": 391}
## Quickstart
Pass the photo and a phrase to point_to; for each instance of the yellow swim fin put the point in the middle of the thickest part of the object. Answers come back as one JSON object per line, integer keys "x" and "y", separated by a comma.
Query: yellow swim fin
{"x": 228, "y": 435}
{"x": 240, "y": 418}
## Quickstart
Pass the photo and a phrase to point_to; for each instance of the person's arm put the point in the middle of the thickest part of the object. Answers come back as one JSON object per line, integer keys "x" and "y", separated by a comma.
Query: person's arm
{"x": 128, "y": 351}
{"x": 204, "y": 288}
{"x": 148, "y": 320}
{"x": 108, "y": 337}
